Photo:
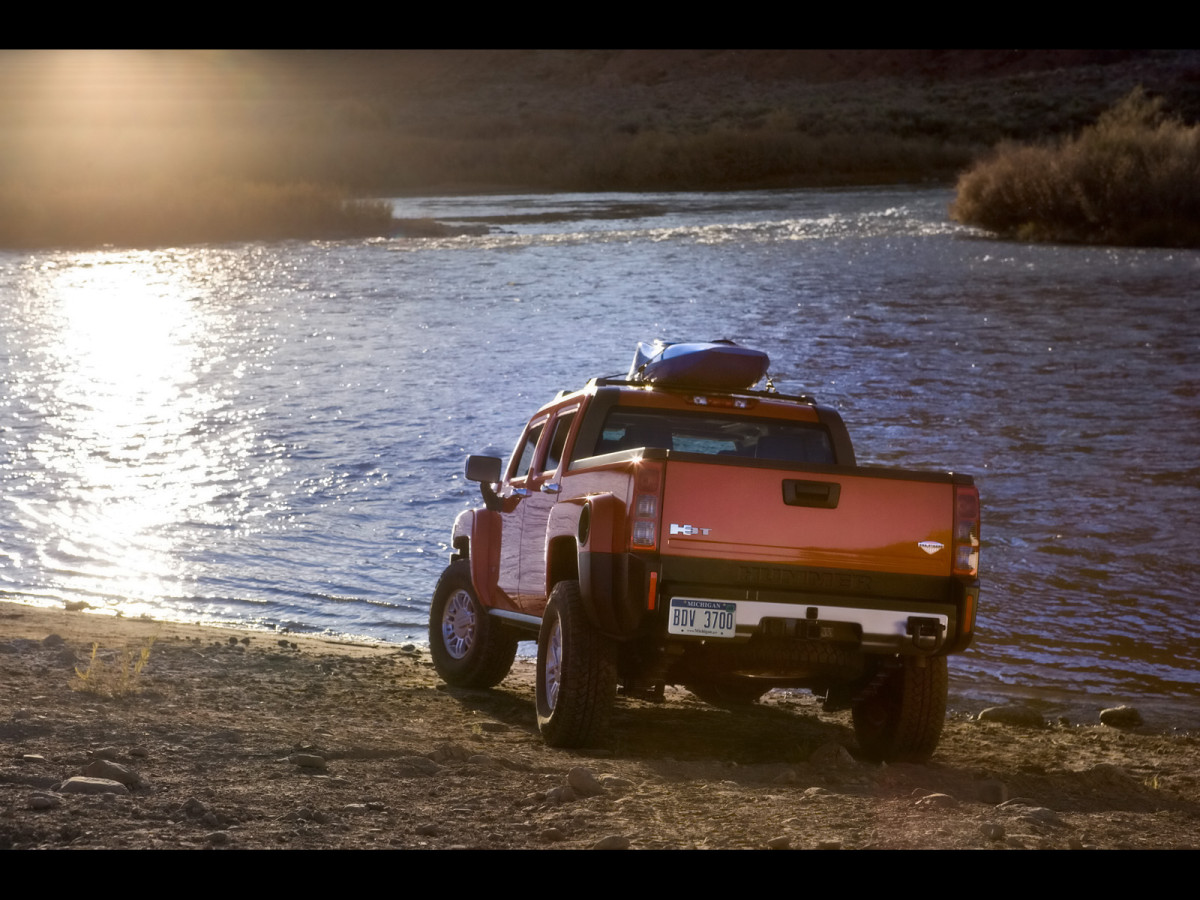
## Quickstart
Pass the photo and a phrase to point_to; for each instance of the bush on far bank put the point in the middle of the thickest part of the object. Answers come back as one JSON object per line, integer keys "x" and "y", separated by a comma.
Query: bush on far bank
{"x": 1132, "y": 178}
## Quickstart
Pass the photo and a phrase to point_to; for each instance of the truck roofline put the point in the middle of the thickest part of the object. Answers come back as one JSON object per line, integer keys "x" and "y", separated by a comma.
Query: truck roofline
{"x": 769, "y": 393}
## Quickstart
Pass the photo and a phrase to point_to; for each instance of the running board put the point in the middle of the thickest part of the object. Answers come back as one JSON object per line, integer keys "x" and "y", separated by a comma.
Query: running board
{"x": 520, "y": 620}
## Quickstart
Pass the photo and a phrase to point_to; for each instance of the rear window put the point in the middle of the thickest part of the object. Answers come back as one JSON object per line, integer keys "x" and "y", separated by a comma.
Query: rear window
{"x": 715, "y": 434}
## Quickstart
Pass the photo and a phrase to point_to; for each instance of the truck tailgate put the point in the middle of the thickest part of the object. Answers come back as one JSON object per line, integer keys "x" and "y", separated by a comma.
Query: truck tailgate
{"x": 843, "y": 518}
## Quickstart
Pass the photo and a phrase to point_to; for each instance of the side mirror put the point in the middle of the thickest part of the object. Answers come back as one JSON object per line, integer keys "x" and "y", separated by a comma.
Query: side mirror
{"x": 485, "y": 469}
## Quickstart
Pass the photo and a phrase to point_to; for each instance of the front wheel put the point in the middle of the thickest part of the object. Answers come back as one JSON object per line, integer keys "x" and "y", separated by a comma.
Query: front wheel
{"x": 901, "y": 717}
{"x": 576, "y": 673}
{"x": 470, "y": 649}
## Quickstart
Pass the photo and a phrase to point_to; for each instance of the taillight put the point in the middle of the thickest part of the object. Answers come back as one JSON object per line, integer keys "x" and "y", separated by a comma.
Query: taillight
{"x": 966, "y": 530}
{"x": 647, "y": 491}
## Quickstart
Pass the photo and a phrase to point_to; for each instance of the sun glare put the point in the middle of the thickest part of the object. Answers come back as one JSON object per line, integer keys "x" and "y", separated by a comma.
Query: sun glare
{"x": 126, "y": 414}
{"x": 129, "y": 88}
{"x": 88, "y": 116}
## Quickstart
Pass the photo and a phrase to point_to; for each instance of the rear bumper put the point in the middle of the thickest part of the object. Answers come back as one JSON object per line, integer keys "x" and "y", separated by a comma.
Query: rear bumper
{"x": 912, "y": 629}
{"x": 629, "y": 595}
{"x": 880, "y": 612}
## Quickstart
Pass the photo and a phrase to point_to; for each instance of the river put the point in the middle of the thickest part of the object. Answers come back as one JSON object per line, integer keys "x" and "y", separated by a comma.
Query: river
{"x": 273, "y": 434}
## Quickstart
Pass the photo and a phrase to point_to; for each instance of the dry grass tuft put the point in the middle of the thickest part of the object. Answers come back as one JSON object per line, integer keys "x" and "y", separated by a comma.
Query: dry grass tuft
{"x": 113, "y": 678}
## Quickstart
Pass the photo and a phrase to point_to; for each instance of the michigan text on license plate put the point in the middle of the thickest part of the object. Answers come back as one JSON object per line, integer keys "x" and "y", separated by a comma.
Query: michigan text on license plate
{"x": 702, "y": 618}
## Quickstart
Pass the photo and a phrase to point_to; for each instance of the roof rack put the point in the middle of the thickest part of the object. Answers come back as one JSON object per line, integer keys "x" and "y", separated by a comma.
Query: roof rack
{"x": 806, "y": 399}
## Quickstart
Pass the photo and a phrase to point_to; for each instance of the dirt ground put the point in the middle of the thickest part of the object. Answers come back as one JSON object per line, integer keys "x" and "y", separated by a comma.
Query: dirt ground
{"x": 241, "y": 739}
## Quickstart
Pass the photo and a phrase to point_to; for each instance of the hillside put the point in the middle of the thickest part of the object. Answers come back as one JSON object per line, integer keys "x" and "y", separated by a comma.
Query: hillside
{"x": 143, "y": 148}
{"x": 385, "y": 121}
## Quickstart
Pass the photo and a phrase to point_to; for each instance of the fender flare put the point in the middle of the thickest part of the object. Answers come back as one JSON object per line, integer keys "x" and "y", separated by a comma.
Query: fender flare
{"x": 481, "y": 528}
{"x": 609, "y": 578}
{"x": 562, "y": 541}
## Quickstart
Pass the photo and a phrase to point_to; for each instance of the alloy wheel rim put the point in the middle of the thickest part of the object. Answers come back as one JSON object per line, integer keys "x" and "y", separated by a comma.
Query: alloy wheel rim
{"x": 458, "y": 624}
{"x": 553, "y": 672}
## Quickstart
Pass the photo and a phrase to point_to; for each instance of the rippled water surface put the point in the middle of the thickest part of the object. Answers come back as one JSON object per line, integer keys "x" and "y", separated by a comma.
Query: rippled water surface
{"x": 274, "y": 434}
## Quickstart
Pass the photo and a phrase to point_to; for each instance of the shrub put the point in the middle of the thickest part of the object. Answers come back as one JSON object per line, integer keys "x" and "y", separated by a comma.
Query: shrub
{"x": 1132, "y": 178}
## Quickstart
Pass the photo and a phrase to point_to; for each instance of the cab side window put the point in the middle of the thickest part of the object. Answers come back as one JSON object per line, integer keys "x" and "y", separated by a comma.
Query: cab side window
{"x": 527, "y": 450}
{"x": 558, "y": 441}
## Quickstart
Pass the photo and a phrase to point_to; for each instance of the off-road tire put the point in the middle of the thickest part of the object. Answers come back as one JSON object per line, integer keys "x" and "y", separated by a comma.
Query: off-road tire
{"x": 901, "y": 716}
{"x": 470, "y": 649}
{"x": 576, "y": 673}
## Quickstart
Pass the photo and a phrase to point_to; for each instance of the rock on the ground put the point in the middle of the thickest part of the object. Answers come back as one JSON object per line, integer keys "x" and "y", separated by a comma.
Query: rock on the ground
{"x": 942, "y": 801}
{"x": 43, "y": 800}
{"x": 584, "y": 783}
{"x": 103, "y": 768}
{"x": 82, "y": 784}
{"x": 612, "y": 842}
{"x": 832, "y": 755}
{"x": 1121, "y": 717}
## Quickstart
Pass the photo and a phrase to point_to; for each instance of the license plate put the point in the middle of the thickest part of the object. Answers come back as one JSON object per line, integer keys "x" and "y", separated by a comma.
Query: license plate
{"x": 702, "y": 618}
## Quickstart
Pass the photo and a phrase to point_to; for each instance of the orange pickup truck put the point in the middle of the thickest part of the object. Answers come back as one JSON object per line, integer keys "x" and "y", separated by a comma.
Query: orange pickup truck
{"x": 653, "y": 531}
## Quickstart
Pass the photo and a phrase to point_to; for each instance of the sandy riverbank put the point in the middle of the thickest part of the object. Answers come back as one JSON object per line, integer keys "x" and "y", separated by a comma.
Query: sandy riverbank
{"x": 251, "y": 740}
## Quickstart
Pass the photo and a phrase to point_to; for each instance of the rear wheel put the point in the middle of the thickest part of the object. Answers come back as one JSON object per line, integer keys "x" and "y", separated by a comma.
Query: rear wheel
{"x": 901, "y": 719}
{"x": 576, "y": 673}
{"x": 470, "y": 648}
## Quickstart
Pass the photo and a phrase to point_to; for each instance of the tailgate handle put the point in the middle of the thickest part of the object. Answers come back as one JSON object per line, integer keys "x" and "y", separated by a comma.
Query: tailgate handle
{"x": 813, "y": 494}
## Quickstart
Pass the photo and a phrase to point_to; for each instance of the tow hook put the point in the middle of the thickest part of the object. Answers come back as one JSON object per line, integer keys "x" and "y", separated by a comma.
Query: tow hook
{"x": 926, "y": 633}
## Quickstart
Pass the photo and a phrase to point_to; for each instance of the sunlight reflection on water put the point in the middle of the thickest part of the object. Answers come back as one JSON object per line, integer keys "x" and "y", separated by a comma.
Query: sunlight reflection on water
{"x": 118, "y": 428}
{"x": 119, "y": 437}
